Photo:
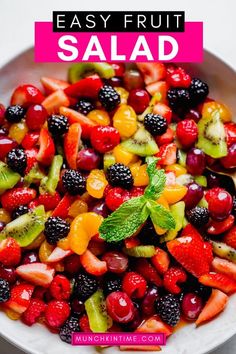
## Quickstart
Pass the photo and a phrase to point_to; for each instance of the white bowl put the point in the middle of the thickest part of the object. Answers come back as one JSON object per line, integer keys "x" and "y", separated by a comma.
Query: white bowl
{"x": 38, "y": 340}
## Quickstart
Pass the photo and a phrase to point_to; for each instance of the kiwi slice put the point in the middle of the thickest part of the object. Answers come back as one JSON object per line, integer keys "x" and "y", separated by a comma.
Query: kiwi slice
{"x": 141, "y": 143}
{"x": 95, "y": 307}
{"x": 201, "y": 180}
{"x": 211, "y": 136}
{"x": 26, "y": 228}
{"x": 177, "y": 211}
{"x": 108, "y": 160}
{"x": 224, "y": 251}
{"x": 49, "y": 183}
{"x": 8, "y": 178}
{"x": 80, "y": 70}
{"x": 203, "y": 203}
{"x": 147, "y": 251}
{"x": 182, "y": 158}
{"x": 35, "y": 175}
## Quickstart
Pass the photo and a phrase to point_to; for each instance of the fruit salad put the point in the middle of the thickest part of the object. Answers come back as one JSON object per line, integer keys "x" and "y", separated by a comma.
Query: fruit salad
{"x": 117, "y": 201}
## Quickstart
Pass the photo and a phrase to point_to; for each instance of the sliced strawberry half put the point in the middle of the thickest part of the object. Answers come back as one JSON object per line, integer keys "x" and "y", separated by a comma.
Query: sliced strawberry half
{"x": 219, "y": 281}
{"x": 92, "y": 264}
{"x": 152, "y": 72}
{"x": 58, "y": 254}
{"x": 219, "y": 227}
{"x": 51, "y": 84}
{"x": 143, "y": 267}
{"x": 25, "y": 95}
{"x": 230, "y": 130}
{"x": 55, "y": 100}
{"x": 189, "y": 230}
{"x": 154, "y": 325}
{"x": 87, "y": 87}
{"x": 17, "y": 196}
{"x": 30, "y": 140}
{"x": 37, "y": 273}
{"x": 20, "y": 297}
{"x": 161, "y": 260}
{"x": 31, "y": 156}
{"x": 223, "y": 266}
{"x": 213, "y": 307}
{"x": 63, "y": 207}
{"x": 190, "y": 252}
{"x": 230, "y": 237}
{"x": 46, "y": 147}
{"x": 71, "y": 144}
{"x": 159, "y": 87}
{"x": 167, "y": 154}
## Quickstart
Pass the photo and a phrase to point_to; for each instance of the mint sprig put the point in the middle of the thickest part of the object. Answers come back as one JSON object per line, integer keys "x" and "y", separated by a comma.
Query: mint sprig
{"x": 126, "y": 220}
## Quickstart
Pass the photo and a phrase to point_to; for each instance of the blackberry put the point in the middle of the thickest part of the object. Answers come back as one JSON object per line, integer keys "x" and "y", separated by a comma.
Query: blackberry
{"x": 109, "y": 97}
{"x": 198, "y": 91}
{"x": 168, "y": 307}
{"x": 84, "y": 106}
{"x": 14, "y": 114}
{"x": 148, "y": 235}
{"x": 73, "y": 182}
{"x": 155, "y": 124}
{"x": 70, "y": 326}
{"x": 17, "y": 160}
{"x": 4, "y": 290}
{"x": 119, "y": 175}
{"x": 85, "y": 286}
{"x": 198, "y": 216}
{"x": 58, "y": 125}
{"x": 55, "y": 229}
{"x": 179, "y": 99}
{"x": 20, "y": 210}
{"x": 111, "y": 283}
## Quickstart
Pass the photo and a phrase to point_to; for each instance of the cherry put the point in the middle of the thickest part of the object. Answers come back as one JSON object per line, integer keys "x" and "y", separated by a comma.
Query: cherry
{"x": 191, "y": 306}
{"x": 195, "y": 161}
{"x": 36, "y": 115}
{"x": 120, "y": 307}
{"x": 138, "y": 100}
{"x": 119, "y": 68}
{"x": 100, "y": 208}
{"x": 104, "y": 138}
{"x": 133, "y": 80}
{"x": 148, "y": 303}
{"x": 115, "y": 81}
{"x": 115, "y": 197}
{"x": 117, "y": 262}
{"x": 6, "y": 145}
{"x": 72, "y": 264}
{"x": 30, "y": 257}
{"x": 8, "y": 273}
{"x": 193, "y": 195}
{"x": 77, "y": 306}
{"x": 88, "y": 159}
{"x": 220, "y": 203}
{"x": 213, "y": 180}
{"x": 136, "y": 321}
{"x": 229, "y": 161}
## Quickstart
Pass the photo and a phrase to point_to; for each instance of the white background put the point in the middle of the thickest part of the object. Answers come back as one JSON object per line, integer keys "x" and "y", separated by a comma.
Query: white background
{"x": 17, "y": 33}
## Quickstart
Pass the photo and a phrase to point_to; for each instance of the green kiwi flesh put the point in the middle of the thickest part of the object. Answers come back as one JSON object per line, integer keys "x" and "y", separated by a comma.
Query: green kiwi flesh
{"x": 108, "y": 160}
{"x": 177, "y": 210}
{"x": 8, "y": 178}
{"x": 141, "y": 143}
{"x": 26, "y": 228}
{"x": 224, "y": 251}
{"x": 49, "y": 183}
{"x": 80, "y": 70}
{"x": 211, "y": 136}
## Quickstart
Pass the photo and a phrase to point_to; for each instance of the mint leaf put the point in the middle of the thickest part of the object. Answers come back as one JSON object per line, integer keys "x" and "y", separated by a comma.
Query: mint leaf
{"x": 124, "y": 221}
{"x": 160, "y": 216}
{"x": 157, "y": 179}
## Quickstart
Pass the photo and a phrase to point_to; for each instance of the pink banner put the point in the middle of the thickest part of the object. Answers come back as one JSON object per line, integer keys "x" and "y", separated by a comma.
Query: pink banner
{"x": 127, "y": 47}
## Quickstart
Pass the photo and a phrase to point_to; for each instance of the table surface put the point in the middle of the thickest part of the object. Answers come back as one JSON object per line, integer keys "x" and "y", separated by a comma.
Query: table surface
{"x": 17, "y": 33}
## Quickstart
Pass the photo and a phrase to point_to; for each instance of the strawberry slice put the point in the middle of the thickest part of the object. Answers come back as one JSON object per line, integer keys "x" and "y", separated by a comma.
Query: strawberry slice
{"x": 165, "y": 138}
{"x": 163, "y": 110}
{"x": 223, "y": 266}
{"x": 25, "y": 95}
{"x": 30, "y": 140}
{"x": 152, "y": 72}
{"x": 219, "y": 281}
{"x": 167, "y": 154}
{"x": 154, "y": 325}
{"x": 31, "y": 155}
{"x": 219, "y": 227}
{"x": 63, "y": 207}
{"x": 208, "y": 252}
{"x": 37, "y": 273}
{"x": 51, "y": 84}
{"x": 71, "y": 144}
{"x": 190, "y": 230}
{"x": 50, "y": 201}
{"x": 10, "y": 252}
{"x": 159, "y": 87}
{"x": 55, "y": 100}
{"x": 20, "y": 297}
{"x": 58, "y": 254}
{"x": 88, "y": 87}
{"x": 190, "y": 252}
{"x": 230, "y": 237}
{"x": 161, "y": 260}
{"x": 11, "y": 199}
{"x": 213, "y": 307}
{"x": 77, "y": 117}
{"x": 92, "y": 264}
{"x": 46, "y": 147}
{"x": 131, "y": 242}
{"x": 143, "y": 267}
{"x": 230, "y": 130}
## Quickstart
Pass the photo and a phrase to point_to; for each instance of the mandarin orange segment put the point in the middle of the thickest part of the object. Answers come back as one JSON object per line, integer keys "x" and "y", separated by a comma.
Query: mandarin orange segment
{"x": 124, "y": 156}
{"x": 125, "y": 121}
{"x": 210, "y": 107}
{"x": 177, "y": 169}
{"x": 83, "y": 228}
{"x": 64, "y": 243}
{"x": 18, "y": 131}
{"x": 99, "y": 116}
{"x": 44, "y": 251}
{"x": 12, "y": 314}
{"x": 174, "y": 193}
{"x": 123, "y": 94}
{"x": 5, "y": 216}
{"x": 78, "y": 207}
{"x": 96, "y": 183}
{"x": 139, "y": 173}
